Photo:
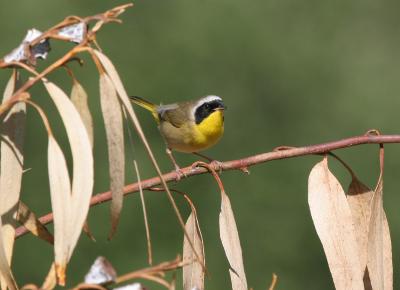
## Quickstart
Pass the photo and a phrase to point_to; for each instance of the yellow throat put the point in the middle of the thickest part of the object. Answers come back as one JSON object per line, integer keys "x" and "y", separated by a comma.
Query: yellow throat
{"x": 210, "y": 130}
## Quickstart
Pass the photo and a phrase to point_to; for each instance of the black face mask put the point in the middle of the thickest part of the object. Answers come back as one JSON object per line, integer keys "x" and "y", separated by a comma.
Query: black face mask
{"x": 206, "y": 109}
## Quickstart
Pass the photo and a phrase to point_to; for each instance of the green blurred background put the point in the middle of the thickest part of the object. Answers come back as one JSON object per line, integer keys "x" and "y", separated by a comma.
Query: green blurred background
{"x": 291, "y": 72}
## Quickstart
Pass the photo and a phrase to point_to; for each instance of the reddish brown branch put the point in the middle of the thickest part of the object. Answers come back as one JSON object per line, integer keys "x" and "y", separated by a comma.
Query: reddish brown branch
{"x": 241, "y": 164}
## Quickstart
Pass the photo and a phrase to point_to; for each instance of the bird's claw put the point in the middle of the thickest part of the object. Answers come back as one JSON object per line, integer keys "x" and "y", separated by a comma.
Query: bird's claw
{"x": 217, "y": 165}
{"x": 214, "y": 165}
{"x": 179, "y": 174}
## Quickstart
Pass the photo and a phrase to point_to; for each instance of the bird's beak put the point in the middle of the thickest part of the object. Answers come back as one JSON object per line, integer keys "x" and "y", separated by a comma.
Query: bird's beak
{"x": 221, "y": 107}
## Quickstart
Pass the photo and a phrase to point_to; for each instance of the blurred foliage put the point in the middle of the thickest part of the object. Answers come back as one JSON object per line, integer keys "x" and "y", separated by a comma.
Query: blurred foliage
{"x": 291, "y": 73}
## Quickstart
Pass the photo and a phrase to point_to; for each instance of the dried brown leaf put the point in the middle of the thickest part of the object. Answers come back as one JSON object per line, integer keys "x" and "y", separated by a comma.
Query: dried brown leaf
{"x": 114, "y": 76}
{"x": 50, "y": 281}
{"x": 230, "y": 240}
{"x": 359, "y": 198}
{"x": 30, "y": 287}
{"x": 80, "y": 99}
{"x": 380, "y": 265}
{"x": 4, "y": 265}
{"x": 132, "y": 286}
{"x": 29, "y": 220}
{"x": 273, "y": 282}
{"x": 11, "y": 168}
{"x": 333, "y": 222}
{"x": 76, "y": 205}
{"x": 193, "y": 273}
{"x": 60, "y": 192}
{"x": 112, "y": 115}
{"x": 88, "y": 232}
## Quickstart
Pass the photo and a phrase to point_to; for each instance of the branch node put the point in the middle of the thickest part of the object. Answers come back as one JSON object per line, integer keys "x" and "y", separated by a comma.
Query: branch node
{"x": 283, "y": 148}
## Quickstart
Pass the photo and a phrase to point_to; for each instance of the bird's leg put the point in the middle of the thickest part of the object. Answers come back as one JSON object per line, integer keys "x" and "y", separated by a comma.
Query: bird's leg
{"x": 178, "y": 170}
{"x": 203, "y": 156}
{"x": 218, "y": 166}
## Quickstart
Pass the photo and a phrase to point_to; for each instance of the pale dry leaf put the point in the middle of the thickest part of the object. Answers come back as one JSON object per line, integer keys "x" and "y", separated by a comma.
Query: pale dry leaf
{"x": 4, "y": 266}
{"x": 10, "y": 87}
{"x": 30, "y": 287}
{"x": 82, "y": 181}
{"x": 133, "y": 286}
{"x": 114, "y": 76}
{"x": 29, "y": 220}
{"x": 359, "y": 198}
{"x": 50, "y": 282}
{"x": 380, "y": 265}
{"x": 79, "y": 98}
{"x": 273, "y": 282}
{"x": 193, "y": 273}
{"x": 60, "y": 192}
{"x": 230, "y": 241}
{"x": 88, "y": 232}
{"x": 332, "y": 219}
{"x": 11, "y": 168}
{"x": 112, "y": 116}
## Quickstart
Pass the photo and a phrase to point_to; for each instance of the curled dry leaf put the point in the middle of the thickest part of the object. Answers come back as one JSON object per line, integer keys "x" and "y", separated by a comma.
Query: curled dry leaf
{"x": 193, "y": 273}
{"x": 332, "y": 220}
{"x": 79, "y": 98}
{"x": 112, "y": 115}
{"x": 230, "y": 240}
{"x": 29, "y": 220}
{"x": 11, "y": 168}
{"x": 380, "y": 265}
{"x": 75, "y": 207}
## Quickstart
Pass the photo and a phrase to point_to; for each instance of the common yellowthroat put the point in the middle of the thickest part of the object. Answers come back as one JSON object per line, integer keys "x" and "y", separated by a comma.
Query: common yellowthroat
{"x": 190, "y": 126}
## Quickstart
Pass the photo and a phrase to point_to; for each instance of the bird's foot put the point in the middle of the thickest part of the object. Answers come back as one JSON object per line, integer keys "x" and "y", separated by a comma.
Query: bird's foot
{"x": 214, "y": 165}
{"x": 179, "y": 173}
{"x": 218, "y": 166}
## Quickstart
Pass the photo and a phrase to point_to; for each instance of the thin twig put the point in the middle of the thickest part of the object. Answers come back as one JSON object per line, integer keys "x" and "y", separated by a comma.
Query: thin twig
{"x": 273, "y": 282}
{"x": 155, "y": 270}
{"x": 239, "y": 164}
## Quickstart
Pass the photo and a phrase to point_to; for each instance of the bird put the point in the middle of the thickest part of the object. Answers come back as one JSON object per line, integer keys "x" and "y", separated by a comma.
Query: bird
{"x": 189, "y": 126}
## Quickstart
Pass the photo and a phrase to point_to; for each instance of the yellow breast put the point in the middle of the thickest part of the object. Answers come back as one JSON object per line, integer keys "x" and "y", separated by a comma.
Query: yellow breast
{"x": 193, "y": 137}
{"x": 209, "y": 131}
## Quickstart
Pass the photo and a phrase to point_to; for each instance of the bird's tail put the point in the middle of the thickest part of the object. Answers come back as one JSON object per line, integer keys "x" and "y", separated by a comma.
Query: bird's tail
{"x": 146, "y": 105}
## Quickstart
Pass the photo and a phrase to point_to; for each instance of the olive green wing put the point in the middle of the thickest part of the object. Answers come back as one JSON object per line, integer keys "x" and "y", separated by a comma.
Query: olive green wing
{"x": 176, "y": 114}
